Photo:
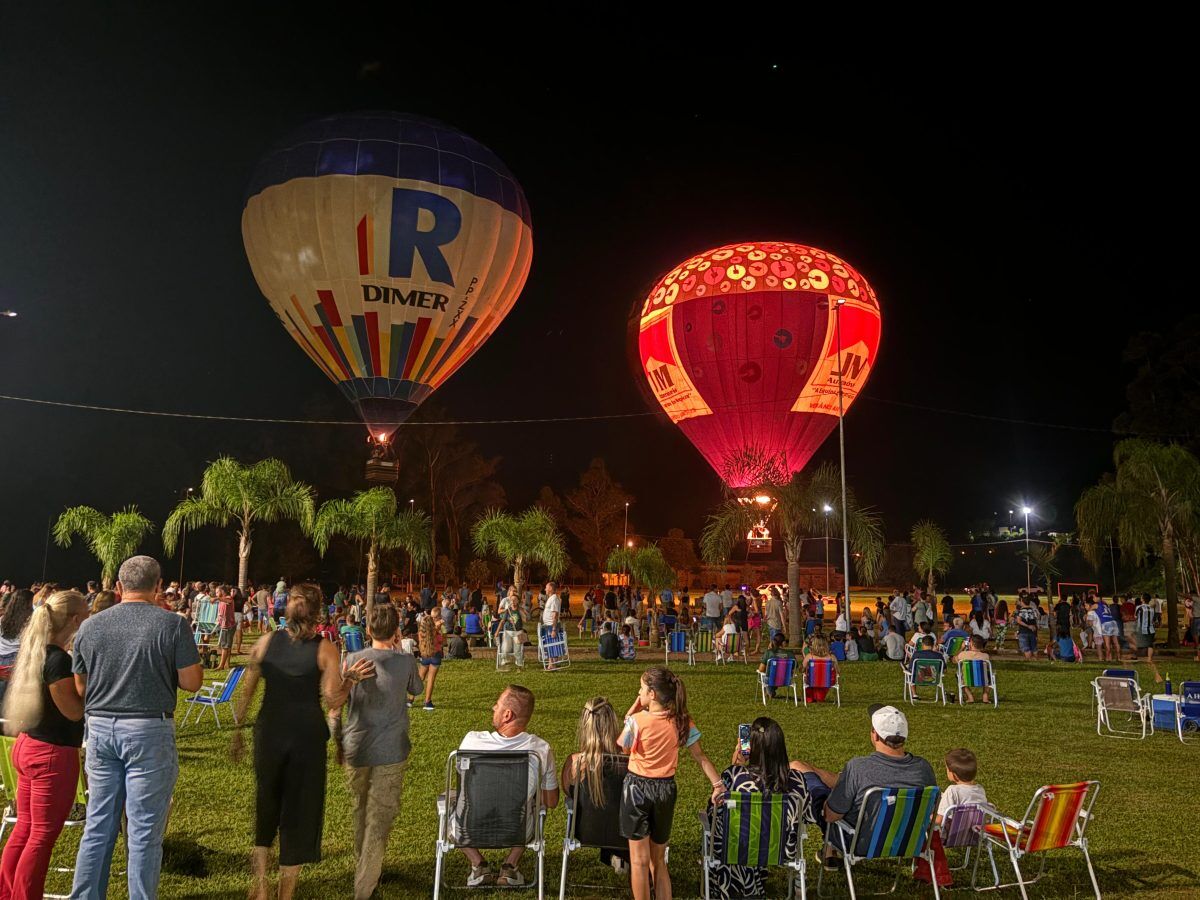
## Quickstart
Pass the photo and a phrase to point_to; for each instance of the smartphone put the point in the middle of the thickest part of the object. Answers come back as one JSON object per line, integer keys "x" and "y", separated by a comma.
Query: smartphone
{"x": 744, "y": 738}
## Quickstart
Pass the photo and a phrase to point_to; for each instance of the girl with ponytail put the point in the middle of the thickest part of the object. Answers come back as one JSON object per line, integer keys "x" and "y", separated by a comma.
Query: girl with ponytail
{"x": 656, "y": 727}
{"x": 43, "y": 707}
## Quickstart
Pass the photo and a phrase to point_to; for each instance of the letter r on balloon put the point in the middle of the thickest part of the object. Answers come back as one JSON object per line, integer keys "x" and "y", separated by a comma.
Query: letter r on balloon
{"x": 408, "y": 239}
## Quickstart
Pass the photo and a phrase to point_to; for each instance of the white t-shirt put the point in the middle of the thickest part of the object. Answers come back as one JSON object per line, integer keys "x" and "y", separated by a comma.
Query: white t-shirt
{"x": 491, "y": 740}
{"x": 984, "y": 630}
{"x": 894, "y": 645}
{"x": 958, "y": 794}
{"x": 712, "y": 604}
{"x": 726, "y": 599}
{"x": 551, "y": 609}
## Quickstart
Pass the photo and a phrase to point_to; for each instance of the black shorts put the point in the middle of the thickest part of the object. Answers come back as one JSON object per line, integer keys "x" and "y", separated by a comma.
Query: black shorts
{"x": 647, "y": 808}
{"x": 1144, "y": 641}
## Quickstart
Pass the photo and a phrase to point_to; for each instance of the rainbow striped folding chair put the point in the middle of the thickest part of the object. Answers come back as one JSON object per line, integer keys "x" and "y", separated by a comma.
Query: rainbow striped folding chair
{"x": 822, "y": 674}
{"x": 734, "y": 645}
{"x": 701, "y": 642}
{"x": 780, "y": 675}
{"x": 892, "y": 823}
{"x": 977, "y": 674}
{"x": 962, "y": 828}
{"x": 1056, "y": 819}
{"x": 924, "y": 673}
{"x": 676, "y": 642}
{"x": 750, "y": 830}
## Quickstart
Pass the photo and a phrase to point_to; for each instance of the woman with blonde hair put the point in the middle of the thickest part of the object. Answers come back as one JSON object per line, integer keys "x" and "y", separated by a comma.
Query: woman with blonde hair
{"x": 43, "y": 707}
{"x": 429, "y": 646}
{"x": 290, "y": 735}
{"x": 817, "y": 648}
{"x": 584, "y": 770}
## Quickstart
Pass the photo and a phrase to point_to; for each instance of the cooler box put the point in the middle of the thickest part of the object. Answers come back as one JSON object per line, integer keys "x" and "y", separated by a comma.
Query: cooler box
{"x": 1164, "y": 707}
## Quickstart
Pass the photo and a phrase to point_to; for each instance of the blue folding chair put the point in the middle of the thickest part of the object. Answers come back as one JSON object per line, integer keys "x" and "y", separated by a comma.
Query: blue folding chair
{"x": 213, "y": 696}
{"x": 676, "y": 642}
{"x": 552, "y": 649}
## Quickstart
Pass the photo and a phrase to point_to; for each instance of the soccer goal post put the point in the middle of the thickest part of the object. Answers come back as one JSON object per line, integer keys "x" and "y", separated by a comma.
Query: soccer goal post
{"x": 1068, "y": 585}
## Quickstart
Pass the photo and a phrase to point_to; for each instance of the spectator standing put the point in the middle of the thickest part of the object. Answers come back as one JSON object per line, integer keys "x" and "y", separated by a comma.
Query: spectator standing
{"x": 16, "y": 616}
{"x": 901, "y": 611}
{"x": 775, "y": 615}
{"x": 712, "y": 609}
{"x": 262, "y": 602}
{"x": 552, "y": 608}
{"x": 429, "y": 645}
{"x": 375, "y": 745}
{"x": 1144, "y": 631}
{"x": 43, "y": 706}
{"x": 129, "y": 662}
{"x": 225, "y": 626}
{"x": 1027, "y": 626}
{"x": 947, "y": 609}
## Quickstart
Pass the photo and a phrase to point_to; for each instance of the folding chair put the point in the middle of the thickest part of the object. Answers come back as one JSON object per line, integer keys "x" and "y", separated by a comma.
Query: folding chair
{"x": 780, "y": 675}
{"x": 488, "y": 805}
{"x": 757, "y": 823}
{"x": 924, "y": 673}
{"x": 677, "y": 642}
{"x": 735, "y": 645}
{"x": 1114, "y": 673}
{"x": 1187, "y": 711}
{"x": 977, "y": 674}
{"x": 822, "y": 673}
{"x": 214, "y": 696}
{"x": 1121, "y": 696}
{"x": 552, "y": 651}
{"x": 952, "y": 647}
{"x": 206, "y": 620}
{"x": 592, "y": 826}
{"x": 1056, "y": 819}
{"x": 701, "y": 642}
{"x": 352, "y": 642}
{"x": 962, "y": 828}
{"x": 892, "y": 823}
{"x": 666, "y": 624}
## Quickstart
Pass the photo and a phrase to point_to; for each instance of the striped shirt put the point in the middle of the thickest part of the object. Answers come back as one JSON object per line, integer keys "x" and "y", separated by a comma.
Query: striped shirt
{"x": 1144, "y": 616}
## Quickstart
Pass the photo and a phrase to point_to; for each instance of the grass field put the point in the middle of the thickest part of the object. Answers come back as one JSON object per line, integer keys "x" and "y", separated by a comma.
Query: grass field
{"x": 1142, "y": 838}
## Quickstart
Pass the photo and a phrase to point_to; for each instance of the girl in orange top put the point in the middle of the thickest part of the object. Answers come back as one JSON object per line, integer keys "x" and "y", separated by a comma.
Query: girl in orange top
{"x": 656, "y": 727}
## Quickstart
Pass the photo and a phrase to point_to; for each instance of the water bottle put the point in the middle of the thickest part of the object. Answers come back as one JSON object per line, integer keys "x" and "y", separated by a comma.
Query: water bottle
{"x": 1168, "y": 684}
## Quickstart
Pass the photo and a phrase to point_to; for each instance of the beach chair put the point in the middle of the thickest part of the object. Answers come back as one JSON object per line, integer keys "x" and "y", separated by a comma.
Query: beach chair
{"x": 552, "y": 650}
{"x": 734, "y": 646}
{"x": 822, "y": 674}
{"x": 488, "y": 805}
{"x": 205, "y": 624}
{"x": 892, "y": 823}
{"x": 667, "y": 622}
{"x": 701, "y": 642}
{"x": 1187, "y": 711}
{"x": 677, "y": 642}
{"x": 962, "y": 829}
{"x": 952, "y": 647}
{"x": 214, "y": 696}
{"x": 747, "y": 829}
{"x": 1115, "y": 673}
{"x": 1119, "y": 701}
{"x": 592, "y": 826}
{"x": 977, "y": 674}
{"x": 924, "y": 673}
{"x": 780, "y": 675}
{"x": 1056, "y": 819}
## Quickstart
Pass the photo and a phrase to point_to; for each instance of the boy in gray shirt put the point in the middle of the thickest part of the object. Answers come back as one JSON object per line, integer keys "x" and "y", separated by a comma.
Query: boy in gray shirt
{"x": 375, "y": 744}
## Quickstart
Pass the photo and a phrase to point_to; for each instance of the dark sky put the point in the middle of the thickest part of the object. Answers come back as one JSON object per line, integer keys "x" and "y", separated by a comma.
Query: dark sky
{"x": 1015, "y": 211}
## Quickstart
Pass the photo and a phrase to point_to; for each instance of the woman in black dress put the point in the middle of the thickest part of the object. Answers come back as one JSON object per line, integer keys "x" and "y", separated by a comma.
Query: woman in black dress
{"x": 290, "y": 735}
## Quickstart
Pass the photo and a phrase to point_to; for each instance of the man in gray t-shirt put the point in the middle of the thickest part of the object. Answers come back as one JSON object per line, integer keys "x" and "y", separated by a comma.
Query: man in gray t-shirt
{"x": 889, "y": 766}
{"x": 375, "y": 744}
{"x": 129, "y": 662}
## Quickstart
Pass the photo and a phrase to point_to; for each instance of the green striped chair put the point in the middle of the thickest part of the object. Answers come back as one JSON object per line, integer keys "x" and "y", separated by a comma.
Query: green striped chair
{"x": 701, "y": 642}
{"x": 751, "y": 833}
{"x": 893, "y": 823}
{"x": 977, "y": 674}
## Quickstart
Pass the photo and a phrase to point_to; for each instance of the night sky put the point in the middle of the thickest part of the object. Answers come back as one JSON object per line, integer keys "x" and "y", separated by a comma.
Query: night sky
{"x": 1017, "y": 217}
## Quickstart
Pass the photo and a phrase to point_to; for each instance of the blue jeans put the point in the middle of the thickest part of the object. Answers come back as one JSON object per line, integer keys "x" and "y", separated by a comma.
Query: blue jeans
{"x": 131, "y": 767}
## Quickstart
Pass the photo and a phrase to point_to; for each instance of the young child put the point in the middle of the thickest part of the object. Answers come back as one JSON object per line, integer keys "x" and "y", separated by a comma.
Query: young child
{"x": 727, "y": 636}
{"x": 628, "y": 645}
{"x": 961, "y": 769}
{"x": 656, "y": 727}
{"x": 1064, "y": 649}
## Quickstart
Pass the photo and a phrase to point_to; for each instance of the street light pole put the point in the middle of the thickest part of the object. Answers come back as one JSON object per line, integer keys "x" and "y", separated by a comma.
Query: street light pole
{"x": 625, "y": 534}
{"x": 1028, "y": 574}
{"x": 183, "y": 542}
{"x": 842, "y": 450}
{"x": 411, "y": 510}
{"x": 827, "y": 509}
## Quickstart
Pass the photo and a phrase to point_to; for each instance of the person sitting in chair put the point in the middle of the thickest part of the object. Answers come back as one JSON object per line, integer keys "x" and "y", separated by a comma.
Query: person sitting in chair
{"x": 974, "y": 650}
{"x": 456, "y": 645}
{"x": 924, "y": 654}
{"x": 610, "y": 644}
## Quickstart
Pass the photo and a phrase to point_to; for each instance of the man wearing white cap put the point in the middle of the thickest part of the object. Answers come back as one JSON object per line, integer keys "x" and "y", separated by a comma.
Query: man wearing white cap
{"x": 889, "y": 766}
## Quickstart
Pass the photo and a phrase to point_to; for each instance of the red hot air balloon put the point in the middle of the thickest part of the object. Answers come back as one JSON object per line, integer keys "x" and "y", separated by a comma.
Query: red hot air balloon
{"x": 739, "y": 345}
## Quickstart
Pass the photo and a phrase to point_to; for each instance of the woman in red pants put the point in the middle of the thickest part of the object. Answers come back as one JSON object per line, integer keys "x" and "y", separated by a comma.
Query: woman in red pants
{"x": 43, "y": 706}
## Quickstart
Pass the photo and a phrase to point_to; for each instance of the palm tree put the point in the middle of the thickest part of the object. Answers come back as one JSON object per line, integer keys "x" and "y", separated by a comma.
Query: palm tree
{"x": 371, "y": 517}
{"x": 646, "y": 566}
{"x": 112, "y": 539}
{"x": 799, "y": 515}
{"x": 246, "y": 495}
{"x": 532, "y": 536}
{"x": 931, "y": 552}
{"x": 1041, "y": 561}
{"x": 1152, "y": 505}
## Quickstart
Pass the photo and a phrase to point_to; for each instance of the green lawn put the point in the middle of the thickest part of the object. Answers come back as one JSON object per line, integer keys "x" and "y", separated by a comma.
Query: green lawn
{"x": 1142, "y": 837}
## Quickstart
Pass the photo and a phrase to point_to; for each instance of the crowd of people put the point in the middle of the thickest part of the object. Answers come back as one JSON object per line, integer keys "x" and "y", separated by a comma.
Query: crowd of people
{"x": 63, "y": 685}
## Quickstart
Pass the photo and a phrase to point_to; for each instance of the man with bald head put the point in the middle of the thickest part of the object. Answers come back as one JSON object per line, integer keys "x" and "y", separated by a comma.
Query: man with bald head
{"x": 510, "y": 718}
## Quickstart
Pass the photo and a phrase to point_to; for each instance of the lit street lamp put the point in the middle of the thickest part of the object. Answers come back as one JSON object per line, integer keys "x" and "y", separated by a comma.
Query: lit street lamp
{"x": 8, "y": 313}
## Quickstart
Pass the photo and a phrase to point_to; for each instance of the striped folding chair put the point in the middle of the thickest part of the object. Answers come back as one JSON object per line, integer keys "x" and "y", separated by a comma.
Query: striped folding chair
{"x": 676, "y": 642}
{"x": 780, "y": 675}
{"x": 977, "y": 674}
{"x": 961, "y": 829}
{"x": 552, "y": 648}
{"x": 822, "y": 675}
{"x": 1056, "y": 819}
{"x": 749, "y": 830}
{"x": 702, "y": 642}
{"x": 734, "y": 646}
{"x": 892, "y": 823}
{"x": 952, "y": 647}
{"x": 924, "y": 673}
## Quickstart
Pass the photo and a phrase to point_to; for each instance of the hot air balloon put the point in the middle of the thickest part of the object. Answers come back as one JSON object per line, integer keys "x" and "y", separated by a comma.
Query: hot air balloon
{"x": 390, "y": 247}
{"x": 739, "y": 346}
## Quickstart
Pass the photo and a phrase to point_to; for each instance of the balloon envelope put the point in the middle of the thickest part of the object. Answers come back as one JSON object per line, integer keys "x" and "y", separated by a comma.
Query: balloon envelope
{"x": 390, "y": 247}
{"x": 739, "y": 346}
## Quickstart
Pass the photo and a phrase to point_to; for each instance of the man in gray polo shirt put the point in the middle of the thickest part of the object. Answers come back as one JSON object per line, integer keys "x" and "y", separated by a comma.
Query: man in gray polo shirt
{"x": 129, "y": 661}
{"x": 375, "y": 743}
